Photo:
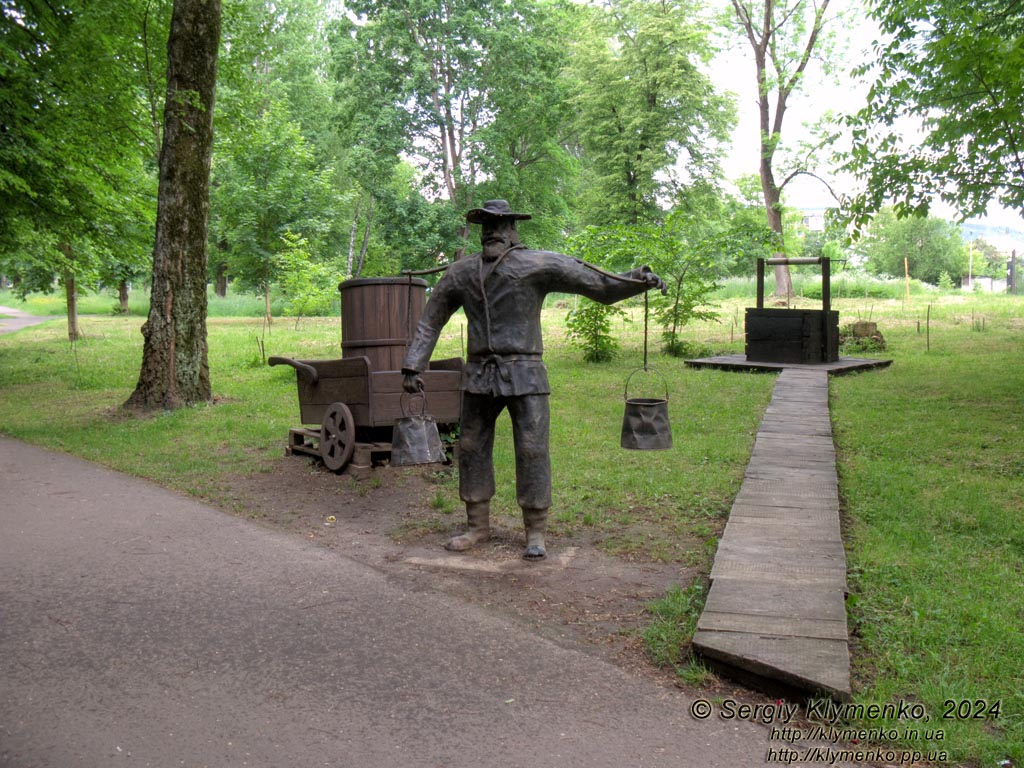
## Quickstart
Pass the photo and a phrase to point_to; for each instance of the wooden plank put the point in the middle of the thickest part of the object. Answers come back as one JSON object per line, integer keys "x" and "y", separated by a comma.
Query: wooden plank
{"x": 777, "y": 626}
{"x": 779, "y": 540}
{"x": 792, "y": 463}
{"x": 800, "y": 495}
{"x": 784, "y": 513}
{"x": 808, "y": 531}
{"x": 739, "y": 362}
{"x": 766, "y": 598}
{"x": 811, "y": 461}
{"x": 807, "y": 488}
{"x": 387, "y": 407}
{"x": 789, "y": 473}
{"x": 825, "y": 554}
{"x": 796, "y": 575}
{"x": 813, "y": 664}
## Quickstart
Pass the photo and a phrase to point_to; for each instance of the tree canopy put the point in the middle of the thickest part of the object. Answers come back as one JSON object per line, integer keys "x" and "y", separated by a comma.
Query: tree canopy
{"x": 930, "y": 247}
{"x": 943, "y": 119}
{"x": 643, "y": 103}
{"x": 76, "y": 147}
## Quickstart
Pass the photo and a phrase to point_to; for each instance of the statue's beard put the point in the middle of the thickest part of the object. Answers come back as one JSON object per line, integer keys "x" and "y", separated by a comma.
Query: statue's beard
{"x": 494, "y": 246}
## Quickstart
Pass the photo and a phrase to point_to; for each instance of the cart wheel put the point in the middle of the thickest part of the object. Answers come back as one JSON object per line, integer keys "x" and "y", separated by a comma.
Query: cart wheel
{"x": 337, "y": 436}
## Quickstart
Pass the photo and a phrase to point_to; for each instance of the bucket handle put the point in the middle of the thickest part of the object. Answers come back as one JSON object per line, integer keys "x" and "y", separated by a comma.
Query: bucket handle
{"x": 645, "y": 369}
{"x": 407, "y": 398}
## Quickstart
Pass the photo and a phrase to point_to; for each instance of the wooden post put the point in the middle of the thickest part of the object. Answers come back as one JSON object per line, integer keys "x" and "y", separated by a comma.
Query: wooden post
{"x": 826, "y": 304}
{"x": 760, "y": 283}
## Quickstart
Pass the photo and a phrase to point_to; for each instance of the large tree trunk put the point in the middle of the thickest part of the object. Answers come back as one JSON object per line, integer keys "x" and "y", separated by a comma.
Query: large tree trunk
{"x": 175, "y": 366}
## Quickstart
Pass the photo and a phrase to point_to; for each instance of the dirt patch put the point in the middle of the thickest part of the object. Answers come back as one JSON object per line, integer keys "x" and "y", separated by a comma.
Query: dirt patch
{"x": 390, "y": 519}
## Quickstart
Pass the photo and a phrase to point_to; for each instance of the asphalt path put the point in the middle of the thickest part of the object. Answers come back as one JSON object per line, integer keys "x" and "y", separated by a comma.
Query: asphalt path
{"x": 139, "y": 627}
{"x": 14, "y": 320}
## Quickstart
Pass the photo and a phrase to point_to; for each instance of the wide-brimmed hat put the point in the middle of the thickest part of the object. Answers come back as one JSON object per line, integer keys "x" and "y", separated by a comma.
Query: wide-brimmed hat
{"x": 494, "y": 209}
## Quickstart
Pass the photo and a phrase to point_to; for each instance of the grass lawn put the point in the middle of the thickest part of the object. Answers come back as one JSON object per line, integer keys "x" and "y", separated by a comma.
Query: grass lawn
{"x": 931, "y": 460}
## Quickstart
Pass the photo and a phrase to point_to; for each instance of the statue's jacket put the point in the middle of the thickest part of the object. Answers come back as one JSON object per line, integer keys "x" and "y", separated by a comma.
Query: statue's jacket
{"x": 502, "y": 300}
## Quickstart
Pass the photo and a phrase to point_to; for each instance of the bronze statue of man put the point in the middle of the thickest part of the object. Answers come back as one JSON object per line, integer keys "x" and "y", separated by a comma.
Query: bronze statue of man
{"x": 502, "y": 290}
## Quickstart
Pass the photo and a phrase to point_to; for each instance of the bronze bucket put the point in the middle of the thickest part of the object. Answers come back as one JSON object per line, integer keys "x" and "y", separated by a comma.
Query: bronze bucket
{"x": 415, "y": 439}
{"x": 645, "y": 425}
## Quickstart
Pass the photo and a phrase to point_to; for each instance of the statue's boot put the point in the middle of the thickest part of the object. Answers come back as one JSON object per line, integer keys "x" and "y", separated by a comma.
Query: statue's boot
{"x": 536, "y": 522}
{"x": 478, "y": 530}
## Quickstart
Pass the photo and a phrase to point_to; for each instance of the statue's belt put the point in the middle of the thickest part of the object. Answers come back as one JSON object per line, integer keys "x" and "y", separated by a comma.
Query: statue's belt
{"x": 500, "y": 362}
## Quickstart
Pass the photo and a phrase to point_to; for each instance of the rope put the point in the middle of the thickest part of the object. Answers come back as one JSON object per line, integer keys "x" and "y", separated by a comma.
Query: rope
{"x": 645, "y": 330}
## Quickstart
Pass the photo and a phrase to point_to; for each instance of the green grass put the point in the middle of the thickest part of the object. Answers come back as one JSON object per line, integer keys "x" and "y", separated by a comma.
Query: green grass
{"x": 105, "y": 302}
{"x": 930, "y": 459}
{"x": 673, "y": 622}
{"x": 932, "y": 475}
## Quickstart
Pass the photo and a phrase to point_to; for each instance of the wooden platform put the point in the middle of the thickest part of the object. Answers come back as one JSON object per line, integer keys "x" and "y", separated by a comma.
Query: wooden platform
{"x": 741, "y": 363}
{"x": 775, "y": 616}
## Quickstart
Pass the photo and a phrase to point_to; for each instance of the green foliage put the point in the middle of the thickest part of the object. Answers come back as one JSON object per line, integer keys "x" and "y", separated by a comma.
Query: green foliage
{"x": 641, "y": 100}
{"x": 943, "y": 115}
{"x": 468, "y": 90}
{"x": 267, "y": 183}
{"x": 589, "y": 329}
{"x": 745, "y": 237}
{"x": 986, "y": 260}
{"x": 681, "y": 251}
{"x": 931, "y": 246}
{"x": 76, "y": 153}
{"x": 309, "y": 286}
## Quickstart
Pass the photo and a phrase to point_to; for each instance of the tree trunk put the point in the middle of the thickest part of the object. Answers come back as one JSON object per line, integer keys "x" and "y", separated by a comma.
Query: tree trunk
{"x": 769, "y": 187}
{"x": 122, "y": 296}
{"x": 220, "y": 280}
{"x": 773, "y": 209}
{"x": 71, "y": 295}
{"x": 220, "y": 283}
{"x": 366, "y": 241}
{"x": 764, "y": 35}
{"x": 352, "y": 232}
{"x": 70, "y": 291}
{"x": 175, "y": 367}
{"x": 267, "y": 317}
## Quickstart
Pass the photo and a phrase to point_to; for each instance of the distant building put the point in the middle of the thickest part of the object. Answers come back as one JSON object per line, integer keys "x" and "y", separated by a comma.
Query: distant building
{"x": 985, "y": 284}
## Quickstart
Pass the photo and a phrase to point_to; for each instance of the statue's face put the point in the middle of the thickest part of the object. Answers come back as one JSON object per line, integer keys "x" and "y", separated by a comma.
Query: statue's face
{"x": 496, "y": 237}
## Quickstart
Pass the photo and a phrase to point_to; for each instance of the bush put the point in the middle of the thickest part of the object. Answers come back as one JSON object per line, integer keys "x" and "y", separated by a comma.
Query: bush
{"x": 589, "y": 329}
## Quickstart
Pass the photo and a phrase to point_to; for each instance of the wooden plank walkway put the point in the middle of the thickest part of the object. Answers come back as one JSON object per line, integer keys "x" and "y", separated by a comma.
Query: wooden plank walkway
{"x": 740, "y": 363}
{"x": 775, "y": 615}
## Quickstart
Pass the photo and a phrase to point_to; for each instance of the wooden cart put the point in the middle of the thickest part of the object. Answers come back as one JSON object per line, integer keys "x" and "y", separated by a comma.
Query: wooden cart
{"x": 356, "y": 407}
{"x": 354, "y": 401}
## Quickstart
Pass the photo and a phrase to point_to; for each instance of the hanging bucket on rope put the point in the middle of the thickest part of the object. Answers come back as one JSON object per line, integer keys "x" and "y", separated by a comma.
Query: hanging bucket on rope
{"x": 415, "y": 439}
{"x": 645, "y": 424}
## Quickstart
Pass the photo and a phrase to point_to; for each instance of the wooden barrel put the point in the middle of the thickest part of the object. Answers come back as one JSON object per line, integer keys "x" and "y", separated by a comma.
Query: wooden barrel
{"x": 379, "y": 317}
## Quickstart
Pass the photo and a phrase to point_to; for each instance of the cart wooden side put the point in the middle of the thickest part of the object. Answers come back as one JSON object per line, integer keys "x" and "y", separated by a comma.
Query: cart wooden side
{"x": 356, "y": 406}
